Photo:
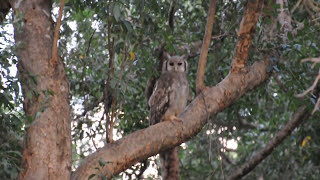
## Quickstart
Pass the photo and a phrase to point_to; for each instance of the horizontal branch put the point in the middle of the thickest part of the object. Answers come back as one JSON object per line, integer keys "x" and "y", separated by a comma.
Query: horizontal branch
{"x": 296, "y": 120}
{"x": 144, "y": 143}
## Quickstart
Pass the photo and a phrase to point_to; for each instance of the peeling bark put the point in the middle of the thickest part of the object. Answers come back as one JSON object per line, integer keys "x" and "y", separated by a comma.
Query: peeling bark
{"x": 246, "y": 31}
{"x": 47, "y": 145}
{"x": 144, "y": 143}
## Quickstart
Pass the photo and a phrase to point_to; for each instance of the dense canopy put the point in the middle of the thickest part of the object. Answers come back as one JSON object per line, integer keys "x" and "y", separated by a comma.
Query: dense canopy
{"x": 261, "y": 56}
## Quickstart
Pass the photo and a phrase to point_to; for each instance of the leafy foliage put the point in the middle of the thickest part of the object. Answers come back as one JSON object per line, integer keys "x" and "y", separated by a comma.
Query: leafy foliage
{"x": 134, "y": 30}
{"x": 11, "y": 115}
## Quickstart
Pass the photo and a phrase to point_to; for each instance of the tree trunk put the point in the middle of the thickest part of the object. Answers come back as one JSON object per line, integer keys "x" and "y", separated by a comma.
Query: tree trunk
{"x": 170, "y": 164}
{"x": 47, "y": 145}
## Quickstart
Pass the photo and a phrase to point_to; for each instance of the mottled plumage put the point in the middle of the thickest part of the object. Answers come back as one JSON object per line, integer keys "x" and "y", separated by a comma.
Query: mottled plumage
{"x": 170, "y": 93}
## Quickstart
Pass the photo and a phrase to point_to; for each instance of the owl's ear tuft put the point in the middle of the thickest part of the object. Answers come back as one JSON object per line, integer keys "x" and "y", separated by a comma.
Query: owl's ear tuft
{"x": 166, "y": 55}
{"x": 184, "y": 57}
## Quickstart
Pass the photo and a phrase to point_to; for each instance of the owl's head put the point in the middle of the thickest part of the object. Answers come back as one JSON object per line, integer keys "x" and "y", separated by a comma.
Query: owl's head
{"x": 177, "y": 64}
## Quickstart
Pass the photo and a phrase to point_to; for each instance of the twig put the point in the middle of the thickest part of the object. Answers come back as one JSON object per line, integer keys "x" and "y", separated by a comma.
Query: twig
{"x": 205, "y": 46}
{"x": 316, "y": 107}
{"x": 296, "y": 120}
{"x": 89, "y": 44}
{"x": 280, "y": 83}
{"x": 54, "y": 55}
{"x": 314, "y": 60}
{"x": 296, "y": 6}
{"x": 309, "y": 89}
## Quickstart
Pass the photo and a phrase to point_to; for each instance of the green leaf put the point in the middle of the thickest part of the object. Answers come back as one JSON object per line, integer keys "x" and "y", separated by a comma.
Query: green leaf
{"x": 116, "y": 11}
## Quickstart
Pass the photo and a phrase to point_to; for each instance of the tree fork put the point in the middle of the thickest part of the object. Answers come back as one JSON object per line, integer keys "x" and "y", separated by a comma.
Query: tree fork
{"x": 144, "y": 143}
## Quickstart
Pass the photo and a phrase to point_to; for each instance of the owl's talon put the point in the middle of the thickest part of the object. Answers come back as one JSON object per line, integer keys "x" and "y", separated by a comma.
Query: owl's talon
{"x": 175, "y": 118}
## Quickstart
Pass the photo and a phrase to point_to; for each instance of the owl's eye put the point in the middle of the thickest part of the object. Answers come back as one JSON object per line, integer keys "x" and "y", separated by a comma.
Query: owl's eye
{"x": 171, "y": 64}
{"x": 179, "y": 64}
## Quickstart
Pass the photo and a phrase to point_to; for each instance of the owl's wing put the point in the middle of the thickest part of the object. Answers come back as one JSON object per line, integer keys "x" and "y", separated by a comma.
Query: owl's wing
{"x": 159, "y": 101}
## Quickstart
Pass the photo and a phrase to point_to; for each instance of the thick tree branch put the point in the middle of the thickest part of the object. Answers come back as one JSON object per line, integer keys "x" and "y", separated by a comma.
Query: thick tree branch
{"x": 147, "y": 142}
{"x": 296, "y": 120}
{"x": 205, "y": 47}
{"x": 246, "y": 30}
{"x": 54, "y": 56}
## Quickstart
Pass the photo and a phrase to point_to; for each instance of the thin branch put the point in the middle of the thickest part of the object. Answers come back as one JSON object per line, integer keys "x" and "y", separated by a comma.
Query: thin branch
{"x": 89, "y": 44}
{"x": 296, "y": 120}
{"x": 313, "y": 5}
{"x": 296, "y": 6}
{"x": 284, "y": 19}
{"x": 280, "y": 83}
{"x": 310, "y": 88}
{"x": 226, "y": 158}
{"x": 54, "y": 55}
{"x": 205, "y": 47}
{"x": 314, "y": 60}
{"x": 316, "y": 107}
{"x": 246, "y": 30}
{"x": 108, "y": 89}
{"x": 245, "y": 124}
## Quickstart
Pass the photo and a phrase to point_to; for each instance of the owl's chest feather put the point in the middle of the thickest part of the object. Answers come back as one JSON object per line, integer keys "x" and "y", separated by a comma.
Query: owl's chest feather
{"x": 178, "y": 95}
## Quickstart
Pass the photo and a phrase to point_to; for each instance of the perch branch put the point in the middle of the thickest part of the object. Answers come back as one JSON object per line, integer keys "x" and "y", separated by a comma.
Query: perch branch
{"x": 144, "y": 143}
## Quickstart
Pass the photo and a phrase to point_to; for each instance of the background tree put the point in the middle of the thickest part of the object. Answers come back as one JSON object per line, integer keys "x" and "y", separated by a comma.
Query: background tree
{"x": 111, "y": 48}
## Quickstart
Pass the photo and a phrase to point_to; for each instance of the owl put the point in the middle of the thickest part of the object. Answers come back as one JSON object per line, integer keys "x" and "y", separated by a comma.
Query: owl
{"x": 170, "y": 94}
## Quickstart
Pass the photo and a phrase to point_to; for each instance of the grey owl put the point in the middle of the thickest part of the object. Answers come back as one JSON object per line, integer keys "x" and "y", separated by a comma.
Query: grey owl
{"x": 171, "y": 91}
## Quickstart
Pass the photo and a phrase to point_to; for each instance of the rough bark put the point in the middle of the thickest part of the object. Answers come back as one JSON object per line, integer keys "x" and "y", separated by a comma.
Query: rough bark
{"x": 170, "y": 164}
{"x": 47, "y": 145}
{"x": 296, "y": 120}
{"x": 245, "y": 33}
{"x": 144, "y": 143}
